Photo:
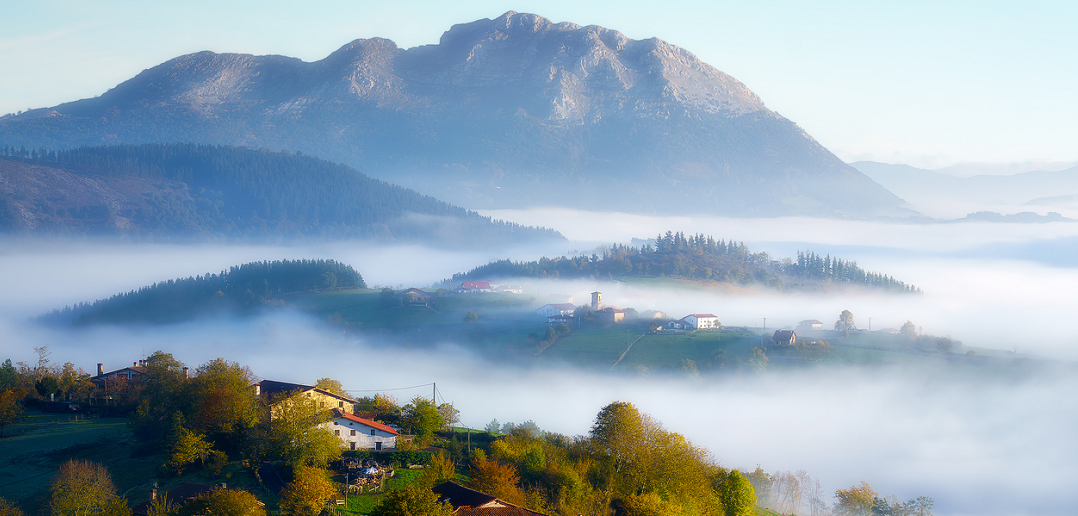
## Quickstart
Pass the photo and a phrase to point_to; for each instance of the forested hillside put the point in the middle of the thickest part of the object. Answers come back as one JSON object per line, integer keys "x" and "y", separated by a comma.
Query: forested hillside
{"x": 696, "y": 257}
{"x": 240, "y": 288}
{"x": 192, "y": 191}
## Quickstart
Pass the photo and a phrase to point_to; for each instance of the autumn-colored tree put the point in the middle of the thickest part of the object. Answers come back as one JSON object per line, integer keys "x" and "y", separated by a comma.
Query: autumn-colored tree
{"x": 331, "y": 385}
{"x": 496, "y": 479}
{"x": 10, "y": 409}
{"x": 845, "y": 321}
{"x": 223, "y": 502}
{"x": 83, "y": 487}
{"x": 440, "y": 469}
{"x": 296, "y": 435}
{"x": 414, "y": 500}
{"x": 306, "y": 495}
{"x": 224, "y": 403}
{"x": 855, "y": 501}
{"x": 186, "y": 449}
{"x": 647, "y": 504}
{"x": 9, "y": 508}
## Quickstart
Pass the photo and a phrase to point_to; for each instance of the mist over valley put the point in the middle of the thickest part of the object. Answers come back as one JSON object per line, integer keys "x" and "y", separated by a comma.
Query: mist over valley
{"x": 541, "y": 218}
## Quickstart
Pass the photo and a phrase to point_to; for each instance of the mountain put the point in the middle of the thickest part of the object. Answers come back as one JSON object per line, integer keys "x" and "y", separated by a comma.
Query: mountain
{"x": 945, "y": 195}
{"x": 511, "y": 112}
{"x": 188, "y": 191}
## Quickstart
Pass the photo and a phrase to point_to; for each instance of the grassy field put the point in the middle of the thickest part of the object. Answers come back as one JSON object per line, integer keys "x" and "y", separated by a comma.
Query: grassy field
{"x": 41, "y": 442}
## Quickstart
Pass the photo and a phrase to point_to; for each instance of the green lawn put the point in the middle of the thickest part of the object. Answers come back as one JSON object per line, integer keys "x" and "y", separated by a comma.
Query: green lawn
{"x": 41, "y": 442}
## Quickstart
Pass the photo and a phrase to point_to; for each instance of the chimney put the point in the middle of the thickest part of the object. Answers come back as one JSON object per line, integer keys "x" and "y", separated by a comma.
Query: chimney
{"x": 186, "y": 374}
{"x": 100, "y": 369}
{"x": 133, "y": 364}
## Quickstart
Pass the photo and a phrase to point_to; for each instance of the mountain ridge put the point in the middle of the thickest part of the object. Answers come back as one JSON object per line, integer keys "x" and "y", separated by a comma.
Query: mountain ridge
{"x": 512, "y": 111}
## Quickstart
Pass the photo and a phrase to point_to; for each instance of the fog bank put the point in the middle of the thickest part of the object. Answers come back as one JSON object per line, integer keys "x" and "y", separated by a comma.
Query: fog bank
{"x": 1000, "y": 444}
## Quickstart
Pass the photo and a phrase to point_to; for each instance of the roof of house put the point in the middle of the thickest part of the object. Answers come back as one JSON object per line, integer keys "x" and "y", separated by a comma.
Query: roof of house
{"x": 475, "y": 284}
{"x": 811, "y": 321}
{"x": 783, "y": 335}
{"x": 142, "y": 370}
{"x": 701, "y": 316}
{"x": 272, "y": 389}
{"x": 469, "y": 502}
{"x": 341, "y": 414}
{"x": 561, "y": 306}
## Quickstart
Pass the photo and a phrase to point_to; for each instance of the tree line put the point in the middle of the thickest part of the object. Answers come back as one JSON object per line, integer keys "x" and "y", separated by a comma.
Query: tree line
{"x": 241, "y": 287}
{"x": 699, "y": 257}
{"x": 240, "y": 192}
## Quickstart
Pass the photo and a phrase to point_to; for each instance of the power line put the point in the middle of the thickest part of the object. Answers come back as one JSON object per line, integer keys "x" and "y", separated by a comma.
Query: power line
{"x": 393, "y": 389}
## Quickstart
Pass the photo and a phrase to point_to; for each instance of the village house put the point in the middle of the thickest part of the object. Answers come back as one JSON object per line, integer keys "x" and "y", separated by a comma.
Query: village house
{"x": 413, "y": 297}
{"x": 273, "y": 391}
{"x": 702, "y": 321}
{"x": 810, "y": 324}
{"x": 510, "y": 289}
{"x": 469, "y": 502}
{"x": 611, "y": 315}
{"x": 784, "y": 338}
{"x": 652, "y": 314}
{"x": 553, "y": 309}
{"x": 474, "y": 287}
{"x": 136, "y": 372}
{"x": 357, "y": 433}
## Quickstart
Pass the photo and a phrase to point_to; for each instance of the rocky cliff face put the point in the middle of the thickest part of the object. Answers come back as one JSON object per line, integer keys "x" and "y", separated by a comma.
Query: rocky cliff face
{"x": 512, "y": 111}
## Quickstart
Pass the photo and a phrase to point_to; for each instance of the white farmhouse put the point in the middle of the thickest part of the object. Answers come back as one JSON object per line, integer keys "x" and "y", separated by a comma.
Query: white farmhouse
{"x": 554, "y": 309}
{"x": 357, "y": 433}
{"x": 702, "y": 321}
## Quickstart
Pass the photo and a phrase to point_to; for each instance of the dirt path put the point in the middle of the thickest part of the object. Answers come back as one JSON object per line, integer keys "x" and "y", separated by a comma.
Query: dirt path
{"x": 626, "y": 352}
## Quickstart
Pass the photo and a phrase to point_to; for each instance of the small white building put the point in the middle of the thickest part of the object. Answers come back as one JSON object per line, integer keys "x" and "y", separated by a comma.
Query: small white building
{"x": 555, "y": 309}
{"x": 357, "y": 433}
{"x": 702, "y": 321}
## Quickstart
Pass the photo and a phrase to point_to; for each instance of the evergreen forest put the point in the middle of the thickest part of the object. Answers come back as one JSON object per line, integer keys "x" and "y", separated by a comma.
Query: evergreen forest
{"x": 183, "y": 190}
{"x": 695, "y": 257}
{"x": 240, "y": 288}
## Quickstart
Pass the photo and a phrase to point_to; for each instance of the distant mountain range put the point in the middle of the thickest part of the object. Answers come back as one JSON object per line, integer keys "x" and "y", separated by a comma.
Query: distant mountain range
{"x": 198, "y": 192}
{"x": 945, "y": 195}
{"x": 511, "y": 112}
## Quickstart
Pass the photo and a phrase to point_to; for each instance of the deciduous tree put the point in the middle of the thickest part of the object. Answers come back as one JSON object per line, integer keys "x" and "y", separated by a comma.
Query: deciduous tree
{"x": 855, "y": 501}
{"x": 223, "y": 502}
{"x": 306, "y": 495}
{"x": 10, "y": 409}
{"x": 83, "y": 487}
{"x": 9, "y": 508}
{"x": 845, "y": 321}
{"x": 423, "y": 418}
{"x": 296, "y": 435}
{"x": 414, "y": 500}
{"x": 738, "y": 496}
{"x": 331, "y": 385}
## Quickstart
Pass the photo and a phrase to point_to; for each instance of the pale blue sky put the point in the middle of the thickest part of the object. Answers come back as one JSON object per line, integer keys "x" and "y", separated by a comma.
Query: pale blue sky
{"x": 928, "y": 83}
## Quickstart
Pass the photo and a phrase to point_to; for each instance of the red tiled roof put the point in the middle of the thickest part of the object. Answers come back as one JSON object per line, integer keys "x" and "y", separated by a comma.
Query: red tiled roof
{"x": 368, "y": 422}
{"x": 475, "y": 284}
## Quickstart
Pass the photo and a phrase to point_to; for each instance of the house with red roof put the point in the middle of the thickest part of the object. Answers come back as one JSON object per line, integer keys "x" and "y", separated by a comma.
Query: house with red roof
{"x": 357, "y": 433}
{"x": 702, "y": 321}
{"x": 472, "y": 287}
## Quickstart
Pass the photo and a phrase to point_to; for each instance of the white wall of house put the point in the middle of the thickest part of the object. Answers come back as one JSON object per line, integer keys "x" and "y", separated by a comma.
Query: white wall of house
{"x": 702, "y": 323}
{"x": 357, "y": 436}
{"x": 551, "y": 310}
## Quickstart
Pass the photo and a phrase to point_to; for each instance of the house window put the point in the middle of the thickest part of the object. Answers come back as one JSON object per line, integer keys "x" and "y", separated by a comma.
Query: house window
{"x": 372, "y": 431}
{"x": 340, "y": 404}
{"x": 338, "y": 432}
{"x": 321, "y": 404}
{"x": 353, "y": 432}
{"x": 378, "y": 446}
{"x": 353, "y": 445}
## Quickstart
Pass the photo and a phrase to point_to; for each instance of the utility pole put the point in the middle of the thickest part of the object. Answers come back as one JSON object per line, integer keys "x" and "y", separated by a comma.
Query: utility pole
{"x": 869, "y": 324}
{"x": 434, "y": 393}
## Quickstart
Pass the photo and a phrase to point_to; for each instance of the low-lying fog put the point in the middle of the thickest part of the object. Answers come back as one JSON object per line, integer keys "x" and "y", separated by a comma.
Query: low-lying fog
{"x": 977, "y": 445}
